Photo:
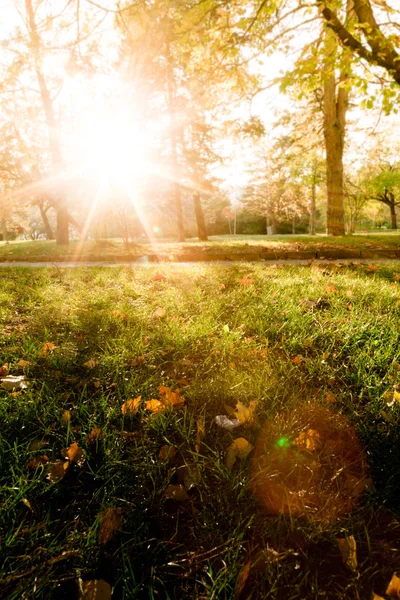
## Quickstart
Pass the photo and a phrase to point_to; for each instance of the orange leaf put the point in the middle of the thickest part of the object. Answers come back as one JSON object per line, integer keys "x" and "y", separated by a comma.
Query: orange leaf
{"x": 159, "y": 277}
{"x": 297, "y": 359}
{"x": 111, "y": 521}
{"x": 38, "y": 461}
{"x": 47, "y": 347}
{"x": 331, "y": 289}
{"x": 90, "y": 364}
{"x": 371, "y": 268}
{"x": 310, "y": 440}
{"x": 393, "y": 588}
{"x": 246, "y": 280}
{"x": 25, "y": 364}
{"x": 154, "y": 406}
{"x": 96, "y": 589}
{"x": 131, "y": 407}
{"x": 74, "y": 454}
{"x": 330, "y": 398}
{"x": 94, "y": 435}
{"x": 167, "y": 453}
{"x": 4, "y": 370}
{"x": 169, "y": 397}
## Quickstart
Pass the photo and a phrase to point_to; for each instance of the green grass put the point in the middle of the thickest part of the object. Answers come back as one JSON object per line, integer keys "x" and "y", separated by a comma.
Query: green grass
{"x": 114, "y": 249}
{"x": 219, "y": 344}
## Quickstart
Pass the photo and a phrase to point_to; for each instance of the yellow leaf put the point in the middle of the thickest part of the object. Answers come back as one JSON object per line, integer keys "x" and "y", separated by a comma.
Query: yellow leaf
{"x": 96, "y": 589}
{"x": 393, "y": 588}
{"x": 131, "y": 407}
{"x": 111, "y": 521}
{"x": 171, "y": 398}
{"x": 154, "y": 406}
{"x": 90, "y": 364}
{"x": 240, "y": 448}
{"x": 229, "y": 409}
{"x": 27, "y": 503}
{"x": 376, "y": 597}
{"x": 57, "y": 471}
{"x": 160, "y": 312}
{"x": 176, "y": 492}
{"x": 245, "y": 414}
{"x": 310, "y": 440}
{"x": 348, "y": 550}
{"x": 25, "y": 364}
{"x": 66, "y": 417}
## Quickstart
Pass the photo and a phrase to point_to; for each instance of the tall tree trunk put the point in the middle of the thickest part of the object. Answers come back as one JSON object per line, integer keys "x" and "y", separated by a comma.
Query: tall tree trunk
{"x": 46, "y": 222}
{"x": 393, "y": 216}
{"x": 335, "y": 105}
{"x": 54, "y": 145}
{"x": 313, "y": 205}
{"x": 4, "y": 229}
{"x": 198, "y": 211}
{"x": 173, "y": 140}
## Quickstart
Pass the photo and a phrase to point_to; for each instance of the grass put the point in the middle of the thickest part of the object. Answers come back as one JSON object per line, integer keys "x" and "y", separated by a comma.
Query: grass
{"x": 114, "y": 249}
{"x": 280, "y": 336}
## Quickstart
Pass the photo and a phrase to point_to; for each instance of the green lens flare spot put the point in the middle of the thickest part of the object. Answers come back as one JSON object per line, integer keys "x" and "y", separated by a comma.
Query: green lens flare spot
{"x": 282, "y": 442}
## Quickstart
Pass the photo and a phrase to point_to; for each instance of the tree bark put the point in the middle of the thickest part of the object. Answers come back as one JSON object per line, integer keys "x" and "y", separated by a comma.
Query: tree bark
{"x": 54, "y": 145}
{"x": 198, "y": 211}
{"x": 313, "y": 205}
{"x": 4, "y": 229}
{"x": 393, "y": 216}
{"x": 46, "y": 222}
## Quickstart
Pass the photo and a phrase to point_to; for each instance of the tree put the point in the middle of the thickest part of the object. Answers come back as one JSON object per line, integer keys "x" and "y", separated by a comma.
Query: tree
{"x": 385, "y": 188}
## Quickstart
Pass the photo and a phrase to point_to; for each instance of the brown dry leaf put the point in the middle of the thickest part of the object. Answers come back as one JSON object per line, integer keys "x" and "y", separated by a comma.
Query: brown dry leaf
{"x": 348, "y": 550}
{"x": 177, "y": 492}
{"x": 95, "y": 435}
{"x": 74, "y": 454}
{"x": 47, "y": 347}
{"x": 160, "y": 312}
{"x": 111, "y": 521}
{"x": 349, "y": 293}
{"x": 171, "y": 398}
{"x": 371, "y": 268}
{"x": 159, "y": 277}
{"x": 97, "y": 383}
{"x": 200, "y": 433}
{"x": 230, "y": 410}
{"x": 240, "y": 448}
{"x": 27, "y": 503}
{"x": 137, "y": 362}
{"x": 57, "y": 471}
{"x": 154, "y": 406}
{"x": 37, "y": 445}
{"x": 90, "y": 364}
{"x": 66, "y": 417}
{"x": 330, "y": 289}
{"x": 37, "y": 462}
{"x": 167, "y": 452}
{"x": 131, "y": 407}
{"x": 246, "y": 280}
{"x": 96, "y": 589}
{"x": 297, "y": 360}
{"x": 310, "y": 440}
{"x": 245, "y": 414}
{"x": 393, "y": 588}
{"x": 331, "y": 398}
{"x": 222, "y": 286}
{"x": 24, "y": 364}
{"x": 4, "y": 370}
{"x": 242, "y": 579}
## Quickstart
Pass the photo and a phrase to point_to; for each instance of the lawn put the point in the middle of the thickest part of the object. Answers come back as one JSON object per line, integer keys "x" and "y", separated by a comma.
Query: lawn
{"x": 218, "y": 247}
{"x": 155, "y": 497}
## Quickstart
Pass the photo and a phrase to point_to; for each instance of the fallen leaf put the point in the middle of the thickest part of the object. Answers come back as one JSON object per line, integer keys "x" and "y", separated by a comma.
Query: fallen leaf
{"x": 95, "y": 435}
{"x": 227, "y": 423}
{"x": 74, "y": 454}
{"x": 96, "y": 589}
{"x": 297, "y": 359}
{"x": 36, "y": 445}
{"x": 222, "y": 286}
{"x": 137, "y": 362}
{"x": 27, "y": 503}
{"x": 47, "y": 347}
{"x": 167, "y": 452}
{"x": 160, "y": 312}
{"x": 330, "y": 398}
{"x": 246, "y": 414}
{"x": 200, "y": 433}
{"x": 349, "y": 293}
{"x": 171, "y": 398}
{"x": 176, "y": 492}
{"x": 131, "y": 407}
{"x": 310, "y": 440}
{"x": 11, "y": 382}
{"x": 159, "y": 277}
{"x": 242, "y": 579}
{"x": 24, "y": 364}
{"x": 330, "y": 289}
{"x": 376, "y": 597}
{"x": 57, "y": 471}
{"x": 154, "y": 406}
{"x": 37, "y": 462}
{"x": 348, "y": 551}
{"x": 111, "y": 521}
{"x": 240, "y": 448}
{"x": 66, "y": 417}
{"x": 90, "y": 364}
{"x": 245, "y": 280}
{"x": 4, "y": 370}
{"x": 371, "y": 268}
{"x": 395, "y": 399}
{"x": 393, "y": 588}
{"x": 230, "y": 410}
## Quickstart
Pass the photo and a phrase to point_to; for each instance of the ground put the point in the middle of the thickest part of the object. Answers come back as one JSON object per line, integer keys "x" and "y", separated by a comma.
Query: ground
{"x": 219, "y": 247}
{"x": 142, "y": 494}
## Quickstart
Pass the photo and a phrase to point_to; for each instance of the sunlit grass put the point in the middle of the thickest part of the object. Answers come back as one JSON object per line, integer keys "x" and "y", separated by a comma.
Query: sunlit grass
{"x": 272, "y": 340}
